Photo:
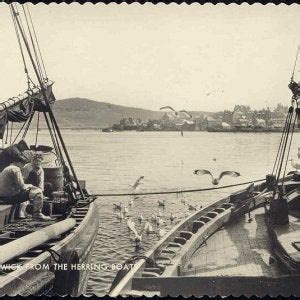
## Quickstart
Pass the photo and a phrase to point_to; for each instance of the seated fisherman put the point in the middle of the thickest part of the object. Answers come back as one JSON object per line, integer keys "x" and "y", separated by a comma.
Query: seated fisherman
{"x": 14, "y": 190}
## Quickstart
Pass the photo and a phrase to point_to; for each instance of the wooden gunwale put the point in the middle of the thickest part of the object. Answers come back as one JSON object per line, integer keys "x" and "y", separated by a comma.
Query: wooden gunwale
{"x": 17, "y": 278}
{"x": 125, "y": 283}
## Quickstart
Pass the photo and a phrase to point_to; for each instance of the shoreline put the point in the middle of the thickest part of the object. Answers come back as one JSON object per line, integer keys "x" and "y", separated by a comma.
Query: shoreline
{"x": 108, "y": 130}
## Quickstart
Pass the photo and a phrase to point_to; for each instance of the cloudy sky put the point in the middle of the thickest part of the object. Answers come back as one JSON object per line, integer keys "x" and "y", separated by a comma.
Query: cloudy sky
{"x": 188, "y": 56}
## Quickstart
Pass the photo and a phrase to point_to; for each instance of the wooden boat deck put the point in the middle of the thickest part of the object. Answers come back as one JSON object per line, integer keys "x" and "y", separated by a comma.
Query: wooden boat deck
{"x": 289, "y": 237}
{"x": 238, "y": 249}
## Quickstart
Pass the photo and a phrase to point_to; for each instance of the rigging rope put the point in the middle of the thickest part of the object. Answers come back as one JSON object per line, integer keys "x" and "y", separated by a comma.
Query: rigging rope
{"x": 280, "y": 145}
{"x": 36, "y": 39}
{"x": 178, "y": 191}
{"x": 53, "y": 139}
{"x": 291, "y": 110}
{"x": 292, "y": 78}
{"x": 22, "y": 31}
{"x": 20, "y": 45}
{"x": 283, "y": 141}
{"x": 291, "y": 139}
{"x": 11, "y": 129}
{"x": 20, "y": 131}
{"x": 28, "y": 125}
{"x": 37, "y": 128}
{"x": 6, "y": 139}
{"x": 59, "y": 153}
{"x": 33, "y": 47}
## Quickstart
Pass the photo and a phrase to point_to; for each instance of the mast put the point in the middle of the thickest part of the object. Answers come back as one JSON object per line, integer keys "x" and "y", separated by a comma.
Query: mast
{"x": 51, "y": 115}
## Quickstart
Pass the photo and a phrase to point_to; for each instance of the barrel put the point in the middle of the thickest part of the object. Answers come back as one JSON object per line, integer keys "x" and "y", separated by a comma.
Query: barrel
{"x": 54, "y": 175}
{"x": 49, "y": 160}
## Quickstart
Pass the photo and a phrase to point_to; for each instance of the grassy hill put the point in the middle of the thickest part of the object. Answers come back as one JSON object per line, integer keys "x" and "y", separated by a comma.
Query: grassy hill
{"x": 85, "y": 113}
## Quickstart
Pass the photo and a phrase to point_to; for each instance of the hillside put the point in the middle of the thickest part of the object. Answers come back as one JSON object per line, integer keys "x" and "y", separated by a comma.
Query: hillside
{"x": 85, "y": 113}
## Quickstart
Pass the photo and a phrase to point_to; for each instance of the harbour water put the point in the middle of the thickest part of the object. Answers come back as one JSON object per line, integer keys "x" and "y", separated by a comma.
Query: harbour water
{"x": 111, "y": 163}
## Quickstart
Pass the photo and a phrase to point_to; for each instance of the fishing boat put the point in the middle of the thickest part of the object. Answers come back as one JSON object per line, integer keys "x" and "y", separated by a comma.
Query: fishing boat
{"x": 245, "y": 244}
{"x": 43, "y": 256}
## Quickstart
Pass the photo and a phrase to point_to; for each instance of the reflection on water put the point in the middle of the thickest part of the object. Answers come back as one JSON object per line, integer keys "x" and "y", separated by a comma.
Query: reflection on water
{"x": 111, "y": 162}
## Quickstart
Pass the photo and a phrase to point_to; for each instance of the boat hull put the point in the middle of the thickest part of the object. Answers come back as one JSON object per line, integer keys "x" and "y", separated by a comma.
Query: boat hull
{"x": 64, "y": 275}
{"x": 218, "y": 218}
{"x": 184, "y": 260}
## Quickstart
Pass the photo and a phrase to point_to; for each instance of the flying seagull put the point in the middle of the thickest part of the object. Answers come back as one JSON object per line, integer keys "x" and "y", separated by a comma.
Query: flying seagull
{"x": 215, "y": 181}
{"x": 177, "y": 112}
{"x": 137, "y": 183}
{"x": 295, "y": 164}
{"x": 186, "y": 113}
{"x": 137, "y": 235}
{"x": 169, "y": 107}
{"x": 130, "y": 224}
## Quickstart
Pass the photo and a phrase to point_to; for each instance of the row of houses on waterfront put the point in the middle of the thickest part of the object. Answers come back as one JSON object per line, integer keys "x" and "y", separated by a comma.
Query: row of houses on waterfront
{"x": 242, "y": 118}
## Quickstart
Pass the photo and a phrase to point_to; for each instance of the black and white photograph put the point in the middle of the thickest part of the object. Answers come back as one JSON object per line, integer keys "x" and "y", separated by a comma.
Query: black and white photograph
{"x": 149, "y": 149}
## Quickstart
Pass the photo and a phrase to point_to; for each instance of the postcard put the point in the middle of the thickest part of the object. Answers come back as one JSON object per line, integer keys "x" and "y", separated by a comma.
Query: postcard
{"x": 149, "y": 150}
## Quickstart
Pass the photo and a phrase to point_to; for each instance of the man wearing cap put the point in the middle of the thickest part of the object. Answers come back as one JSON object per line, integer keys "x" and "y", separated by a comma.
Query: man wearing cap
{"x": 16, "y": 152}
{"x": 14, "y": 190}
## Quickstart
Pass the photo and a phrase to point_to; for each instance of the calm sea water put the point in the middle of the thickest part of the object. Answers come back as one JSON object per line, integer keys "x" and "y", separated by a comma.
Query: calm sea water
{"x": 111, "y": 162}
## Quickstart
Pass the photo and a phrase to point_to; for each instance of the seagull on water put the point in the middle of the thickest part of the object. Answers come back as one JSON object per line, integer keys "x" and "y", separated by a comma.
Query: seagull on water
{"x": 153, "y": 217}
{"x": 173, "y": 217}
{"x": 183, "y": 200}
{"x": 148, "y": 228}
{"x": 130, "y": 203}
{"x": 125, "y": 210}
{"x": 118, "y": 206}
{"x": 193, "y": 207}
{"x": 120, "y": 215}
{"x": 160, "y": 232}
{"x": 160, "y": 221}
{"x": 215, "y": 181}
{"x": 140, "y": 218}
{"x": 161, "y": 203}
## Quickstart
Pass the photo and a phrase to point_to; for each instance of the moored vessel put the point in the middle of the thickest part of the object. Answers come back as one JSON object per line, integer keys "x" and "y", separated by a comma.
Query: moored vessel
{"x": 244, "y": 244}
{"x": 224, "y": 249}
{"x": 45, "y": 255}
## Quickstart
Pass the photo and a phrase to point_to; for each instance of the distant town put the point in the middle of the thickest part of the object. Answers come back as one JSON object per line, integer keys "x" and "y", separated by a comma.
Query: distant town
{"x": 242, "y": 119}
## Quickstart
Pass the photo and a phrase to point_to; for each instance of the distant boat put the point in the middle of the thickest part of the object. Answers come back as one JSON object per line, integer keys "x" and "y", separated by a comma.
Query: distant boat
{"x": 107, "y": 130}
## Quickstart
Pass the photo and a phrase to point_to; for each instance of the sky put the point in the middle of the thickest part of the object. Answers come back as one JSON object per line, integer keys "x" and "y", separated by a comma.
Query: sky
{"x": 194, "y": 57}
